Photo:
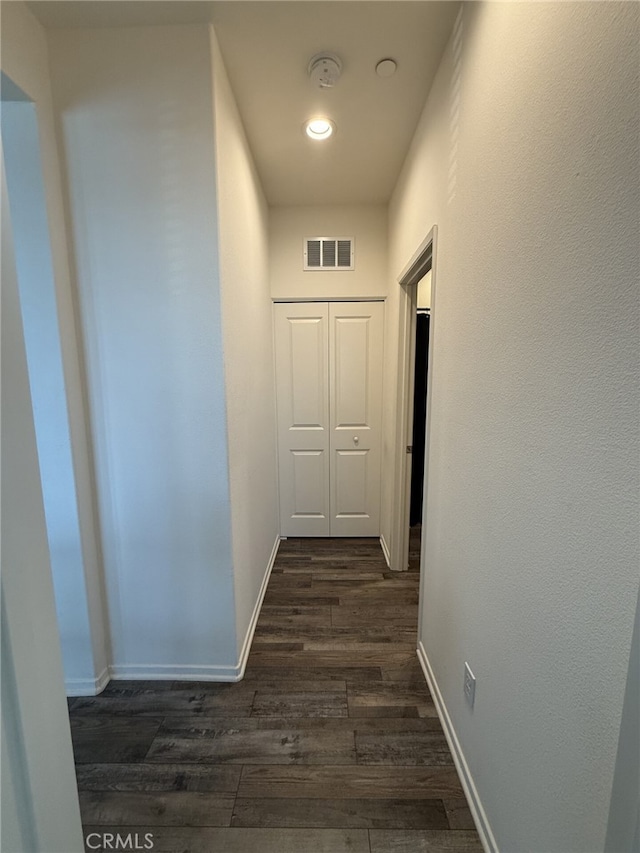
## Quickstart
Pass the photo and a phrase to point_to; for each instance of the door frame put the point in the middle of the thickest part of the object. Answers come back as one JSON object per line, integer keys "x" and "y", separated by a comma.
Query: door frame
{"x": 413, "y": 271}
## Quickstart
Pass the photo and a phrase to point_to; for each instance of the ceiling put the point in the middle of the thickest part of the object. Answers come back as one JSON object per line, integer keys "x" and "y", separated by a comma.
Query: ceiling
{"x": 267, "y": 46}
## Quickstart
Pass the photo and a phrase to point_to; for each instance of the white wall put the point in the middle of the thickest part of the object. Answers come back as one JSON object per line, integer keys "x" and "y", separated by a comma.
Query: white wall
{"x": 65, "y": 445}
{"x": 248, "y": 352}
{"x": 40, "y": 809}
{"x": 424, "y": 291}
{"x": 288, "y": 227}
{"x": 526, "y": 158}
{"x": 623, "y": 830}
{"x": 136, "y": 123}
{"x": 46, "y": 377}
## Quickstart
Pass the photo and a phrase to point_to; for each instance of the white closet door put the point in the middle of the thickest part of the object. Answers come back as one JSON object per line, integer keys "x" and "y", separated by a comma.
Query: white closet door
{"x": 355, "y": 379}
{"x": 302, "y": 387}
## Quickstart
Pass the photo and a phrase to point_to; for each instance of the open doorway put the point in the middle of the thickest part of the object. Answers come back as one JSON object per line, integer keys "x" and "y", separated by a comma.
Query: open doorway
{"x": 417, "y": 290}
{"x": 418, "y": 428}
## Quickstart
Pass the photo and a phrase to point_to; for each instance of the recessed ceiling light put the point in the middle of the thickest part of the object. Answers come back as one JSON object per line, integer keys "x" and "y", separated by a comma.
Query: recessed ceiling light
{"x": 319, "y": 128}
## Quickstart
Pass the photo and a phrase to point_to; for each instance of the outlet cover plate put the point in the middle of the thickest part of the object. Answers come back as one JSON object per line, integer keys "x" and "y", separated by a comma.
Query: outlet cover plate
{"x": 469, "y": 685}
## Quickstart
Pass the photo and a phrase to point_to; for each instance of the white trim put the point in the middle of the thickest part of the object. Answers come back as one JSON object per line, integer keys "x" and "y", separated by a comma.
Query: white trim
{"x": 87, "y": 686}
{"x": 401, "y": 485}
{"x": 174, "y": 672}
{"x": 385, "y": 550}
{"x": 427, "y": 431}
{"x": 471, "y": 792}
{"x": 246, "y": 646}
{"x": 404, "y": 400}
{"x": 200, "y": 672}
{"x": 422, "y": 257}
{"x": 274, "y": 389}
{"x": 102, "y": 680}
{"x": 278, "y": 299}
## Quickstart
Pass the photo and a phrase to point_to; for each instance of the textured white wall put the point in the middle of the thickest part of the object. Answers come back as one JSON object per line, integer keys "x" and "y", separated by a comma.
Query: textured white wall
{"x": 248, "y": 350}
{"x": 526, "y": 158}
{"x": 40, "y": 809}
{"x": 136, "y": 119}
{"x": 46, "y": 379}
{"x": 623, "y": 829}
{"x": 288, "y": 227}
{"x": 72, "y": 522}
{"x": 424, "y": 291}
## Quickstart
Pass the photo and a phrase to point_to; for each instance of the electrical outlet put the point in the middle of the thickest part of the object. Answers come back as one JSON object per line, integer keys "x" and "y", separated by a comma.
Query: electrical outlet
{"x": 469, "y": 685}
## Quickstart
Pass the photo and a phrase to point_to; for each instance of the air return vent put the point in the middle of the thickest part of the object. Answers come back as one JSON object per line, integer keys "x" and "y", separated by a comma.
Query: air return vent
{"x": 328, "y": 253}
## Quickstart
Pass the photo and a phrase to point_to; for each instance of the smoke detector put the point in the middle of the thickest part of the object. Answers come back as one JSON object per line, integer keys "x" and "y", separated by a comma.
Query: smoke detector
{"x": 325, "y": 70}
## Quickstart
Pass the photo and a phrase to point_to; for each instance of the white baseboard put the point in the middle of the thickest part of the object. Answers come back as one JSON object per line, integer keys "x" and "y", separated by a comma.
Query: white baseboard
{"x": 173, "y": 672}
{"x": 246, "y": 646}
{"x": 385, "y": 550}
{"x": 204, "y": 672}
{"x": 87, "y": 686}
{"x": 473, "y": 798}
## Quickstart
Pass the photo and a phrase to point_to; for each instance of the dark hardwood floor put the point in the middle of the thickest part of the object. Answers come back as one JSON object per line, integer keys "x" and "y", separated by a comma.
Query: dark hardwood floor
{"x": 330, "y": 744}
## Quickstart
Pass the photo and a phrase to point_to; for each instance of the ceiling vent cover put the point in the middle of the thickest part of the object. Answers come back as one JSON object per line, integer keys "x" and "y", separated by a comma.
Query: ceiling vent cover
{"x": 328, "y": 253}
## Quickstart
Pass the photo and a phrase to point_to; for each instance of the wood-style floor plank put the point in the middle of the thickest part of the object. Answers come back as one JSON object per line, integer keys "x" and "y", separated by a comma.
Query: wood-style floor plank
{"x": 266, "y": 746}
{"x": 356, "y": 584}
{"x": 280, "y": 615}
{"x": 296, "y": 704}
{"x": 167, "y": 702}
{"x": 337, "y": 573}
{"x": 261, "y": 670}
{"x": 376, "y": 726}
{"x": 408, "y": 673}
{"x": 353, "y": 782}
{"x": 117, "y": 685}
{"x": 314, "y": 633}
{"x": 301, "y": 580}
{"x": 296, "y": 597}
{"x": 459, "y": 813}
{"x": 423, "y": 841}
{"x": 296, "y": 685}
{"x": 209, "y": 778}
{"x": 422, "y": 748}
{"x": 389, "y": 699}
{"x": 351, "y": 647}
{"x": 112, "y": 740}
{"x": 353, "y": 615}
{"x": 177, "y": 808}
{"x": 363, "y": 813}
{"x": 331, "y": 743}
{"x": 376, "y": 597}
{"x": 343, "y": 659}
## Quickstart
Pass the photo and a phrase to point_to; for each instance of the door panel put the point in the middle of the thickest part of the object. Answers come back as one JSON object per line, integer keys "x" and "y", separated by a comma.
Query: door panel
{"x": 302, "y": 386}
{"x": 355, "y": 370}
{"x": 308, "y": 483}
{"x": 351, "y": 484}
{"x": 307, "y": 345}
{"x": 351, "y": 351}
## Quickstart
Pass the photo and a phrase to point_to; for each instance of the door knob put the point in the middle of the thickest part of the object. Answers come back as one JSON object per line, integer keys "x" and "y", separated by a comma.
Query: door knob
{"x": 355, "y": 439}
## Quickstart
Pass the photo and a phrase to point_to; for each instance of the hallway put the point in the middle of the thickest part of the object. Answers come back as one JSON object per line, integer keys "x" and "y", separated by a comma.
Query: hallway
{"x": 331, "y": 743}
